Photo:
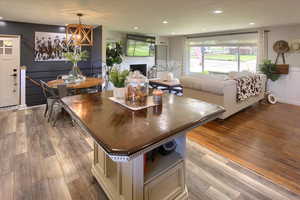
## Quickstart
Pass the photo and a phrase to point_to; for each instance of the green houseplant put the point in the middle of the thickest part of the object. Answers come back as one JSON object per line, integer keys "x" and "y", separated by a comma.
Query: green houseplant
{"x": 114, "y": 54}
{"x": 269, "y": 69}
{"x": 74, "y": 58}
{"x": 118, "y": 78}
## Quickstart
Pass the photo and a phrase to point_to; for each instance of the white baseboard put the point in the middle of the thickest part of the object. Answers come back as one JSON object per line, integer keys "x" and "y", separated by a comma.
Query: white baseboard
{"x": 297, "y": 103}
{"x": 21, "y": 107}
{"x": 29, "y": 107}
{"x": 16, "y": 107}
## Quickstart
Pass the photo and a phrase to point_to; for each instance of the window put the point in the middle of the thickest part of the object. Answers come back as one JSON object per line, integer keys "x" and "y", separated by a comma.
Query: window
{"x": 226, "y": 57}
{"x": 248, "y": 58}
{"x": 223, "y": 54}
{"x": 5, "y": 47}
{"x": 196, "y": 59}
{"x": 218, "y": 59}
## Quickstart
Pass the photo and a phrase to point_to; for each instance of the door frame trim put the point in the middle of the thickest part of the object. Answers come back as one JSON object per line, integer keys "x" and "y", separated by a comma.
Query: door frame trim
{"x": 19, "y": 63}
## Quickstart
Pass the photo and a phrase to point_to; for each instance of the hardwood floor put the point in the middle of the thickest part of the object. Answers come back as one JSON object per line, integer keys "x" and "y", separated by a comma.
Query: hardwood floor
{"x": 263, "y": 138}
{"x": 38, "y": 161}
{"x": 41, "y": 162}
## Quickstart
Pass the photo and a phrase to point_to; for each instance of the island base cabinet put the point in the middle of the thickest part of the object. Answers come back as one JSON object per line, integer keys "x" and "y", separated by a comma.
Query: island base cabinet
{"x": 167, "y": 186}
{"x": 127, "y": 181}
{"x": 119, "y": 180}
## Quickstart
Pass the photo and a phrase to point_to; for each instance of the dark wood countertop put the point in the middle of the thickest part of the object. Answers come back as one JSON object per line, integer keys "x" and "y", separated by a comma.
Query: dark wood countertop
{"x": 123, "y": 132}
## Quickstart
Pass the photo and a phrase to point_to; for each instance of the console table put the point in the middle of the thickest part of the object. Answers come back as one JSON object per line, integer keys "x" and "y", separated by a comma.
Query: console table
{"x": 122, "y": 137}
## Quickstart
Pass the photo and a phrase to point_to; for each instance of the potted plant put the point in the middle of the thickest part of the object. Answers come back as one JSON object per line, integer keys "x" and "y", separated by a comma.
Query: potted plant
{"x": 114, "y": 54}
{"x": 269, "y": 69}
{"x": 76, "y": 57}
{"x": 118, "y": 78}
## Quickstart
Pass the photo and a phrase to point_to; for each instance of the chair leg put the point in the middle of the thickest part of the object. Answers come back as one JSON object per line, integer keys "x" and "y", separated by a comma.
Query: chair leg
{"x": 73, "y": 122}
{"x": 57, "y": 116}
{"x": 55, "y": 120}
{"x": 50, "y": 113}
{"x": 51, "y": 110}
{"x": 46, "y": 109}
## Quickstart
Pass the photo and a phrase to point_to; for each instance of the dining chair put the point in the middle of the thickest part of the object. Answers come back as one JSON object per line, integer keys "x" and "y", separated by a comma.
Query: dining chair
{"x": 51, "y": 98}
{"x": 62, "y": 92}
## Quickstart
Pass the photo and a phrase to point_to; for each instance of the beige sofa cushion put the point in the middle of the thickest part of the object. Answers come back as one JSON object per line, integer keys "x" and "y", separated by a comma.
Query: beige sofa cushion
{"x": 235, "y": 75}
{"x": 207, "y": 83}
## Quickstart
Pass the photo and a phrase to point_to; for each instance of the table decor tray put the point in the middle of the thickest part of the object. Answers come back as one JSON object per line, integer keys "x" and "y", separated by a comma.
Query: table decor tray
{"x": 150, "y": 103}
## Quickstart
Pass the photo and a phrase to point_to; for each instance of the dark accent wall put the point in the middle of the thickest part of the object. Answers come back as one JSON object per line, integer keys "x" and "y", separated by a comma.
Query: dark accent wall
{"x": 49, "y": 70}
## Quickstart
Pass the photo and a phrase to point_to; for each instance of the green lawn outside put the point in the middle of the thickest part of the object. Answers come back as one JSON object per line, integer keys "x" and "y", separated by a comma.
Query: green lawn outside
{"x": 229, "y": 57}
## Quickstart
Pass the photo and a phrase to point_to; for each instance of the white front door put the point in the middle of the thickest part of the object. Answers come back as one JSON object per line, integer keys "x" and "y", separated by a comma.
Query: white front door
{"x": 9, "y": 70}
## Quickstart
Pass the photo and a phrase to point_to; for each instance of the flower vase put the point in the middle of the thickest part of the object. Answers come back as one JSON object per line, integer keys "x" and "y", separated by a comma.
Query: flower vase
{"x": 76, "y": 73}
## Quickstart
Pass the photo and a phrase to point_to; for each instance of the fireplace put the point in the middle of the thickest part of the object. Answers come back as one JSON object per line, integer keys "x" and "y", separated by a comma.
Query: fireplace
{"x": 139, "y": 67}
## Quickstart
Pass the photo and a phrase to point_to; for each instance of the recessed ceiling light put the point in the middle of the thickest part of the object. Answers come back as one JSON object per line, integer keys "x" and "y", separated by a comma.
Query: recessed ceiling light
{"x": 135, "y": 28}
{"x": 251, "y": 23}
{"x": 2, "y": 23}
{"x": 165, "y": 22}
{"x": 218, "y": 11}
{"x": 1, "y": 17}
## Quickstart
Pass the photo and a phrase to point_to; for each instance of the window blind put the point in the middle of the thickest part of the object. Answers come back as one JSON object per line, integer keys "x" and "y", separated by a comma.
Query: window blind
{"x": 245, "y": 39}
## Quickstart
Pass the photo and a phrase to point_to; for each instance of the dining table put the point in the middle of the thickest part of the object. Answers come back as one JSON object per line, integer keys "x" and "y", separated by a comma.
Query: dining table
{"x": 87, "y": 83}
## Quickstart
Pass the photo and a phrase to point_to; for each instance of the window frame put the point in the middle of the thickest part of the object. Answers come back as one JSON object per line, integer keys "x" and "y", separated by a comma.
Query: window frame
{"x": 220, "y": 45}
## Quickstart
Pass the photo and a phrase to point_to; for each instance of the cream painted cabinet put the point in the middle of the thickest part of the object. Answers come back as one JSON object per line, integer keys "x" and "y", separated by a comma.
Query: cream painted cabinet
{"x": 167, "y": 186}
{"x": 162, "y": 179}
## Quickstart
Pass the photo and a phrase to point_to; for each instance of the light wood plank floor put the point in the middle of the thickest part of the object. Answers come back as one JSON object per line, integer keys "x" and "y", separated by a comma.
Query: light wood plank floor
{"x": 263, "y": 138}
{"x": 38, "y": 161}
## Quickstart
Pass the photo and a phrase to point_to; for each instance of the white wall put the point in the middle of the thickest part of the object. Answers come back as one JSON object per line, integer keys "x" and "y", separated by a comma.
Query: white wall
{"x": 115, "y": 36}
{"x": 286, "y": 89}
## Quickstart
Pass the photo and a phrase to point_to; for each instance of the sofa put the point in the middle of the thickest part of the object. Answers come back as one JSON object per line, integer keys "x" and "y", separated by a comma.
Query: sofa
{"x": 220, "y": 90}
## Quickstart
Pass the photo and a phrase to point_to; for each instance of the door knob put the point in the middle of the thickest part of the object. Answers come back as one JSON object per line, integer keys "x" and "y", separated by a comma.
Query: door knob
{"x": 14, "y": 74}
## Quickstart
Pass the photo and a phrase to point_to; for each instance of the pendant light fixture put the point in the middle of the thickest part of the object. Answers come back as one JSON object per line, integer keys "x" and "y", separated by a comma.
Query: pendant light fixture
{"x": 80, "y": 34}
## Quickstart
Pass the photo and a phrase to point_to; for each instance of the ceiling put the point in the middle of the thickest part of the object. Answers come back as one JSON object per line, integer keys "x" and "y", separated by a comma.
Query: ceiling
{"x": 183, "y": 16}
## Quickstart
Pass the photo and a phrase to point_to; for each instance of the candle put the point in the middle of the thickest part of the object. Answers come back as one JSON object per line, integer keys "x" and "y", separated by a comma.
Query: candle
{"x": 157, "y": 92}
{"x": 157, "y": 96}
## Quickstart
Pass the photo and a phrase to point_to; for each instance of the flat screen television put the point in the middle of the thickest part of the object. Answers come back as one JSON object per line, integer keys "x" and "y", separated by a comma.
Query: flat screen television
{"x": 140, "y": 46}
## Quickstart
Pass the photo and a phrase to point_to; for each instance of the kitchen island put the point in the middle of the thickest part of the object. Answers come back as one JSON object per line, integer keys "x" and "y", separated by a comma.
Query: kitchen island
{"x": 123, "y": 137}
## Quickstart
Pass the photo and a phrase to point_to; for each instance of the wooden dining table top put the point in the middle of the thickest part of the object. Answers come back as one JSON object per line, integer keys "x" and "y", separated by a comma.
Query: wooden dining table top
{"x": 87, "y": 83}
{"x": 123, "y": 132}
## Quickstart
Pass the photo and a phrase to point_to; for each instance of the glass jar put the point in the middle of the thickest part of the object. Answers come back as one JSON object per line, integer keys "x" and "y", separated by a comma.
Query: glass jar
{"x": 136, "y": 89}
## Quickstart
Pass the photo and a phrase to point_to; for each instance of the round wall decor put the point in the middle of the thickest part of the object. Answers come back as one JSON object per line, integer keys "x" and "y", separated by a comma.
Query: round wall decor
{"x": 281, "y": 47}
